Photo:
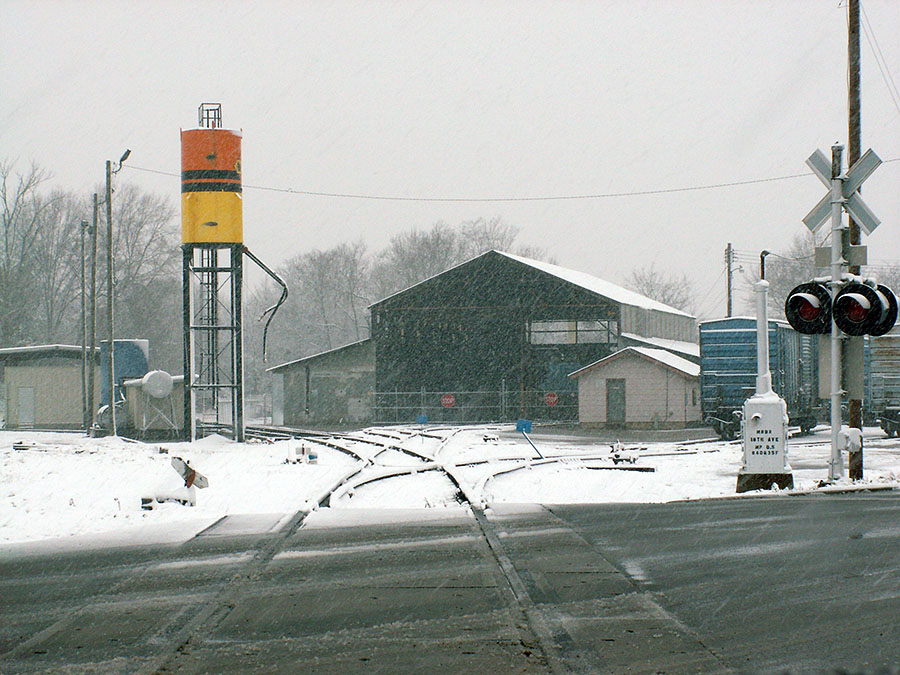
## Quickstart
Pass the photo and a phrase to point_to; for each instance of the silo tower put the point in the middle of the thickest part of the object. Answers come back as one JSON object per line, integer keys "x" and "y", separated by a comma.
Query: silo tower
{"x": 212, "y": 246}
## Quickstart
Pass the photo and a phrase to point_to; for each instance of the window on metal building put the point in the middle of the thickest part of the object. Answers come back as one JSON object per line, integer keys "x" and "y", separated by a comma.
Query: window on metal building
{"x": 572, "y": 332}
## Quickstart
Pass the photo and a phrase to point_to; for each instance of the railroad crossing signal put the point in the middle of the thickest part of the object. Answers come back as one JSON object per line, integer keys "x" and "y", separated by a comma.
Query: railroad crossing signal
{"x": 858, "y": 309}
{"x": 853, "y": 203}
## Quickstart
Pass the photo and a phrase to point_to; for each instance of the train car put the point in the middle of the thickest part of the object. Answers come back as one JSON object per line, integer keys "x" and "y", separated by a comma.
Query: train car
{"x": 882, "y": 403}
{"x": 728, "y": 371}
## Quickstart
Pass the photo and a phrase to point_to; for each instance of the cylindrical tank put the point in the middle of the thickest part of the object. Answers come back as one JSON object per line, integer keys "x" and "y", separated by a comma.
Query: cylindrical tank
{"x": 211, "y": 206}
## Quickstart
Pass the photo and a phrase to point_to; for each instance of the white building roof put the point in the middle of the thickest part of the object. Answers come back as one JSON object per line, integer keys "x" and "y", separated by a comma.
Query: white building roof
{"x": 586, "y": 281}
{"x": 689, "y": 368}
{"x": 317, "y": 355}
{"x": 689, "y": 348}
{"x": 598, "y": 286}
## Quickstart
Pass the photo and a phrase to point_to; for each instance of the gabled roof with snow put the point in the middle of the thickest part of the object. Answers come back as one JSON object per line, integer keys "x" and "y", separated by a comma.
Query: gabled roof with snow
{"x": 14, "y": 354}
{"x": 586, "y": 281}
{"x": 598, "y": 286}
{"x": 311, "y": 357}
{"x": 661, "y": 356}
{"x": 689, "y": 348}
{"x": 40, "y": 348}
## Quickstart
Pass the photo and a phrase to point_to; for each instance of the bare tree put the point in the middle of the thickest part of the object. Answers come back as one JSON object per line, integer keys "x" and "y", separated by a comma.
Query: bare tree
{"x": 21, "y": 222}
{"x": 784, "y": 271}
{"x": 417, "y": 255}
{"x": 414, "y": 256}
{"x": 147, "y": 273}
{"x": 57, "y": 272}
{"x": 478, "y": 236}
{"x": 672, "y": 290}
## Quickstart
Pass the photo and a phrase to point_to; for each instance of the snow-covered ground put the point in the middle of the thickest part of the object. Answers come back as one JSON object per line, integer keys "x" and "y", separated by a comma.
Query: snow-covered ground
{"x": 66, "y": 485}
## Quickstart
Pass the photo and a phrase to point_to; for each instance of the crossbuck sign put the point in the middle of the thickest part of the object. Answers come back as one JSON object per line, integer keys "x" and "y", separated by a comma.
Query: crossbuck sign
{"x": 853, "y": 203}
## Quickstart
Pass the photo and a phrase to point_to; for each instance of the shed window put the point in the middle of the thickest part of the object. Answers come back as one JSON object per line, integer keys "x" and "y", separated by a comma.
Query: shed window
{"x": 572, "y": 332}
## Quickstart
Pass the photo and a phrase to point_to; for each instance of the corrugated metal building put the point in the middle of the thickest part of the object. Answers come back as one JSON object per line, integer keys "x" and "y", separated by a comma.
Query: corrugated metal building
{"x": 639, "y": 388}
{"x": 332, "y": 387}
{"x": 496, "y": 337}
{"x": 40, "y": 387}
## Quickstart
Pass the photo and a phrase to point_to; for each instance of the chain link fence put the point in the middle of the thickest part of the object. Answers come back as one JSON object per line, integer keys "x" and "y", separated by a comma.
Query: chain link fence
{"x": 397, "y": 407}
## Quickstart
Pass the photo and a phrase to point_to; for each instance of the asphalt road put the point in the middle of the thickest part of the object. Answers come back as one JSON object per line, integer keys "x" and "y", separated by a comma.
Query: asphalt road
{"x": 794, "y": 584}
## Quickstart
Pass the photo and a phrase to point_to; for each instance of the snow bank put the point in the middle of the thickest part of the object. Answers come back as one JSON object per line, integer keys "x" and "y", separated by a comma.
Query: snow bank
{"x": 66, "y": 485}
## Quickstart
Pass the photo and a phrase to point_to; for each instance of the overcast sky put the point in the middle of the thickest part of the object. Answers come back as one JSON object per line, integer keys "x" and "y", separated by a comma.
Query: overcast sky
{"x": 470, "y": 100}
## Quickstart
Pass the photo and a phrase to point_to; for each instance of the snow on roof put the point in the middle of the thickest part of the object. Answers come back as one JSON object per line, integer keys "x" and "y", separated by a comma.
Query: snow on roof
{"x": 669, "y": 359}
{"x": 315, "y": 356}
{"x": 690, "y": 348}
{"x": 598, "y": 286}
{"x": 588, "y": 282}
{"x": 39, "y": 349}
{"x": 730, "y": 319}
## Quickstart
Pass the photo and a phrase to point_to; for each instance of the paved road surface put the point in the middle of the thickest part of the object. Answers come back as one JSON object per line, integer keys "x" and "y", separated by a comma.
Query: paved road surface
{"x": 781, "y": 584}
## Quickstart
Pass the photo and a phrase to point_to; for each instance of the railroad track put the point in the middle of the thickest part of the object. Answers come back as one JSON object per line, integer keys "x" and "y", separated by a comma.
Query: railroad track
{"x": 375, "y": 452}
{"x": 214, "y": 611}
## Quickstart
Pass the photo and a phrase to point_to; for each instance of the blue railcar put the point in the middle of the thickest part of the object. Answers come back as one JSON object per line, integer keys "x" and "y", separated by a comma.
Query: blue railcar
{"x": 728, "y": 371}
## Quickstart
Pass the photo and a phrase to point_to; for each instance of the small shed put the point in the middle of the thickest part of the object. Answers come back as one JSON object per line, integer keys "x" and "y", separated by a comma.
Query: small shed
{"x": 639, "y": 388}
{"x": 40, "y": 387}
{"x": 331, "y": 387}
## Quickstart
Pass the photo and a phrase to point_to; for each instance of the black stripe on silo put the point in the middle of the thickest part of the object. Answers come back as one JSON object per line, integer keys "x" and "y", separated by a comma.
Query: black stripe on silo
{"x": 211, "y": 187}
{"x": 210, "y": 174}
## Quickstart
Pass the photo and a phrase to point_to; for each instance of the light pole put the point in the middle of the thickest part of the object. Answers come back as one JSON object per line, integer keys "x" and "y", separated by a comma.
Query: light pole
{"x": 92, "y": 322}
{"x": 84, "y": 405}
{"x": 110, "y": 360}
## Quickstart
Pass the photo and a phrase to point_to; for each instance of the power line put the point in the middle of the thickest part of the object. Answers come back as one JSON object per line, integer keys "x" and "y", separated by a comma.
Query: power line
{"x": 544, "y": 198}
{"x": 880, "y": 60}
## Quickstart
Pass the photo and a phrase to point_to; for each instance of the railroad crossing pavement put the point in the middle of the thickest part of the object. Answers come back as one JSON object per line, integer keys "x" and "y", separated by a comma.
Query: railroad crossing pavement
{"x": 794, "y": 583}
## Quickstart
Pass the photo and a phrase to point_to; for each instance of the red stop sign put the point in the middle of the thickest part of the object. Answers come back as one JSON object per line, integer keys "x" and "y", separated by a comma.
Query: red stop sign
{"x": 551, "y": 398}
{"x": 448, "y": 400}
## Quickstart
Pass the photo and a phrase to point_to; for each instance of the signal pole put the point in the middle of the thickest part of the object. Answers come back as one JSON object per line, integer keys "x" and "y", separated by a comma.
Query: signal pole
{"x": 729, "y": 258}
{"x": 836, "y": 464}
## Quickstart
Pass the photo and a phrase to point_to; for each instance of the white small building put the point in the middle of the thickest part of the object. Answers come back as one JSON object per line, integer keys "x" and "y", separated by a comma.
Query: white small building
{"x": 639, "y": 388}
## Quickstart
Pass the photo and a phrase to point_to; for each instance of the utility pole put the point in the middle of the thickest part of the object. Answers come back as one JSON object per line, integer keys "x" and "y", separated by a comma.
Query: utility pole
{"x": 854, "y": 357}
{"x": 84, "y": 406}
{"x": 92, "y": 321}
{"x": 729, "y": 259}
{"x": 110, "y": 285}
{"x": 110, "y": 361}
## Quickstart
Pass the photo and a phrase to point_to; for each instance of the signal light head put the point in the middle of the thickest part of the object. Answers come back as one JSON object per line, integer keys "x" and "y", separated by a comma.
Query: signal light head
{"x": 808, "y": 308}
{"x": 860, "y": 309}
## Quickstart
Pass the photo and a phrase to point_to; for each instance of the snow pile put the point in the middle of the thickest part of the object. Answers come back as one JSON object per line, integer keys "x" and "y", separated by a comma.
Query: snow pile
{"x": 56, "y": 484}
{"x": 67, "y": 485}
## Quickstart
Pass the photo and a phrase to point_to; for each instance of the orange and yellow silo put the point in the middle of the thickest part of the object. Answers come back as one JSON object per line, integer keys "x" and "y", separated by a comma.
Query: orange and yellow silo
{"x": 211, "y": 203}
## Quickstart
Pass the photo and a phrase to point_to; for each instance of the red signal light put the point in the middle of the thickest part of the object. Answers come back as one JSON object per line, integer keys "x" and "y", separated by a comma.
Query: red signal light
{"x": 808, "y": 308}
{"x": 855, "y": 309}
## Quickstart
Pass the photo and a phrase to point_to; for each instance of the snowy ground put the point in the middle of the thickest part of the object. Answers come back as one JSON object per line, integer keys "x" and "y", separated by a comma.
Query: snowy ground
{"x": 65, "y": 485}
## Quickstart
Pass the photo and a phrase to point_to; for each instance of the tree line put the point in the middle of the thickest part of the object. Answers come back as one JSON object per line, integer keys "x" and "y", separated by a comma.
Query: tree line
{"x": 41, "y": 265}
{"x": 330, "y": 290}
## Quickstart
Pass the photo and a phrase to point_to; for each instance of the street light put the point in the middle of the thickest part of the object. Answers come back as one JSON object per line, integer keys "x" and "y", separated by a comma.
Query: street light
{"x": 85, "y": 227}
{"x": 111, "y": 382}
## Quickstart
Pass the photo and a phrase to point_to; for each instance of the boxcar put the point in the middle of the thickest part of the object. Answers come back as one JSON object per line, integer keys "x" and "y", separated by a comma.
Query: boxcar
{"x": 882, "y": 402}
{"x": 728, "y": 371}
